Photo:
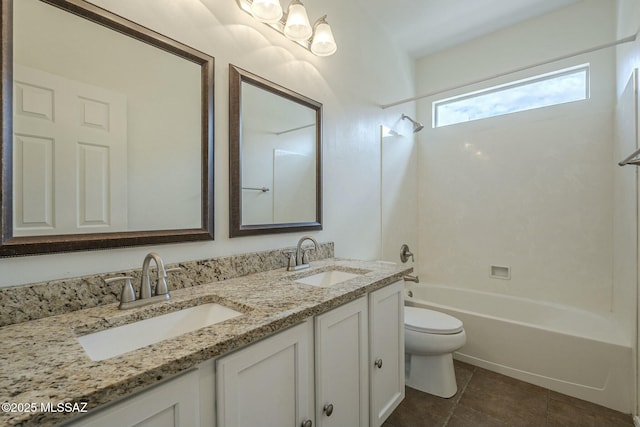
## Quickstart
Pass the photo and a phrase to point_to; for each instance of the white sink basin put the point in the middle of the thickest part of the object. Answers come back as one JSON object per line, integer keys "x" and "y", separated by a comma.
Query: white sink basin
{"x": 123, "y": 339}
{"x": 327, "y": 278}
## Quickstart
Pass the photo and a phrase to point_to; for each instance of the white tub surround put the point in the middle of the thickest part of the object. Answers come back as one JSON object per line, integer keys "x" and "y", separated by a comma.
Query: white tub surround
{"x": 574, "y": 352}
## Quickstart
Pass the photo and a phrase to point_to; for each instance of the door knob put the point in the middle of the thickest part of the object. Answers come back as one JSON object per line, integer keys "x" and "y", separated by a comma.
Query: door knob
{"x": 378, "y": 363}
{"x": 307, "y": 423}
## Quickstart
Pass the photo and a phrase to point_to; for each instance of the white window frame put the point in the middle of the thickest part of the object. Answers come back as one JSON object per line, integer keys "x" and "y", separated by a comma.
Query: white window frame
{"x": 519, "y": 83}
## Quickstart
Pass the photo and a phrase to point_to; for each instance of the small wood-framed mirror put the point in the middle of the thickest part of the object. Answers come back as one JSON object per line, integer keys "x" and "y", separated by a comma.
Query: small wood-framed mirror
{"x": 275, "y": 157}
{"x": 107, "y": 132}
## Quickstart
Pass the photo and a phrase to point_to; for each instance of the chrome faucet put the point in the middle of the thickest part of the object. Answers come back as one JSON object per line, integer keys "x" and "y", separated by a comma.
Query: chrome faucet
{"x": 128, "y": 296}
{"x": 300, "y": 259}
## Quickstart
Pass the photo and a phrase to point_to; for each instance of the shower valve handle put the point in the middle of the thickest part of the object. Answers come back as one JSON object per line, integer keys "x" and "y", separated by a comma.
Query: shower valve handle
{"x": 405, "y": 253}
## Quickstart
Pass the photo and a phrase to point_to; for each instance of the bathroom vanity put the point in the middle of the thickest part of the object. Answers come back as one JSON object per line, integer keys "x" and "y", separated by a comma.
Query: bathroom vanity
{"x": 324, "y": 354}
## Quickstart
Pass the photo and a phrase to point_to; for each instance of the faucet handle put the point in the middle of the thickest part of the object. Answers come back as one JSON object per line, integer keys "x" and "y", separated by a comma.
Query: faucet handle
{"x": 128, "y": 294}
{"x": 161, "y": 287}
{"x": 305, "y": 255}
{"x": 291, "y": 263}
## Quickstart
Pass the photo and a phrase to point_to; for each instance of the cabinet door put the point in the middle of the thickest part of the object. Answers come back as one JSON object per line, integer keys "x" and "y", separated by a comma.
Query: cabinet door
{"x": 173, "y": 403}
{"x": 268, "y": 384}
{"x": 386, "y": 314}
{"x": 341, "y": 366}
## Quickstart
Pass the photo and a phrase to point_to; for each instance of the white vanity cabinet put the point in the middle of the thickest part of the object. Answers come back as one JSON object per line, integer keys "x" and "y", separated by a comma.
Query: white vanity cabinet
{"x": 386, "y": 349}
{"x": 359, "y": 369}
{"x": 269, "y": 383}
{"x": 171, "y": 403}
{"x": 360, "y": 360}
{"x": 342, "y": 354}
{"x": 342, "y": 368}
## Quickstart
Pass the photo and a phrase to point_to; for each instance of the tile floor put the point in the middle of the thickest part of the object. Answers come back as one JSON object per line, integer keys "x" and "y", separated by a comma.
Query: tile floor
{"x": 487, "y": 399}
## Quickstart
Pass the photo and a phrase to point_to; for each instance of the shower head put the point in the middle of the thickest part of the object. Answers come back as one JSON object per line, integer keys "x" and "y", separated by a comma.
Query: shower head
{"x": 417, "y": 126}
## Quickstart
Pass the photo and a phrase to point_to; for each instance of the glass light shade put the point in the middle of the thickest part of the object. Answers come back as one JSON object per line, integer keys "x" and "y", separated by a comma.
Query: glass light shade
{"x": 297, "y": 27}
{"x": 323, "y": 43}
{"x": 268, "y": 11}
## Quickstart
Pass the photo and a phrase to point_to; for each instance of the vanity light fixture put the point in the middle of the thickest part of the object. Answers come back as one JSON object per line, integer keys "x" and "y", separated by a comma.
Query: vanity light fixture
{"x": 267, "y": 11}
{"x": 294, "y": 24}
{"x": 323, "y": 43}
{"x": 297, "y": 26}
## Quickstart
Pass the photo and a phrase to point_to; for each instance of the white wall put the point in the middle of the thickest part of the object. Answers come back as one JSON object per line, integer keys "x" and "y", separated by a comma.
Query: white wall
{"x": 625, "y": 208}
{"x": 626, "y": 297}
{"x": 531, "y": 190}
{"x": 399, "y": 221}
{"x": 627, "y": 55}
{"x": 365, "y": 72}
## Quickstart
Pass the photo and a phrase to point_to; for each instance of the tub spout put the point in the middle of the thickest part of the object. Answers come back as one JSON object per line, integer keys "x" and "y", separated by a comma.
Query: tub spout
{"x": 410, "y": 278}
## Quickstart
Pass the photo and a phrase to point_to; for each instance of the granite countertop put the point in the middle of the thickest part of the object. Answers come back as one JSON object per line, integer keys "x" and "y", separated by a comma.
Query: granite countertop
{"x": 42, "y": 362}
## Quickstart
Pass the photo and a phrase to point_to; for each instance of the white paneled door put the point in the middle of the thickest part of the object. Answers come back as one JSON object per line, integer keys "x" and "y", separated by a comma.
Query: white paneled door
{"x": 70, "y": 156}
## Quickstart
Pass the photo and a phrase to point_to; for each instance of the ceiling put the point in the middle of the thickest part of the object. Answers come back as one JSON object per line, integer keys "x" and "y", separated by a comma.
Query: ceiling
{"x": 422, "y": 27}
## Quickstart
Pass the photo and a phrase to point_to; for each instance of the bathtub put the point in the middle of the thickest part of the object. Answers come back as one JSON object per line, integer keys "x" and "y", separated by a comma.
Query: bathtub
{"x": 571, "y": 351}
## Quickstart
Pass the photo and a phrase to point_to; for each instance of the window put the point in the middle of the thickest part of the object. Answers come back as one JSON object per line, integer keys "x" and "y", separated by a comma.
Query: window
{"x": 559, "y": 87}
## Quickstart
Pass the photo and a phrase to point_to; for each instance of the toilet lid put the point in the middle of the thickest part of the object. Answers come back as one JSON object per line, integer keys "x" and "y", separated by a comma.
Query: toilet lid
{"x": 431, "y": 322}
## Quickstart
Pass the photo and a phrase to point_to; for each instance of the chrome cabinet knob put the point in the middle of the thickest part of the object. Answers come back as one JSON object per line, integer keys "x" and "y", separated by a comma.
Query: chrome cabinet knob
{"x": 378, "y": 363}
{"x": 307, "y": 423}
{"x": 328, "y": 409}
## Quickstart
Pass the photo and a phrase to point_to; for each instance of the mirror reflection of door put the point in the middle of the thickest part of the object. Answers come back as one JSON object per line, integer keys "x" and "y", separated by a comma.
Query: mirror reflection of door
{"x": 157, "y": 120}
{"x": 68, "y": 135}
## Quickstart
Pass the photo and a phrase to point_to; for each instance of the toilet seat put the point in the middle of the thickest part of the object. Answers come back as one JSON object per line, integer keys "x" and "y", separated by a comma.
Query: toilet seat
{"x": 431, "y": 322}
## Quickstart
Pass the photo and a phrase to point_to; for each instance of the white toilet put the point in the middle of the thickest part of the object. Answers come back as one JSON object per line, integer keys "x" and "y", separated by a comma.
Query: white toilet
{"x": 430, "y": 339}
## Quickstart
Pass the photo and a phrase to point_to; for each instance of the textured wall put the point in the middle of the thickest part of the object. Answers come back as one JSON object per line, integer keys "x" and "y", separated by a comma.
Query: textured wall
{"x": 366, "y": 71}
{"x": 530, "y": 190}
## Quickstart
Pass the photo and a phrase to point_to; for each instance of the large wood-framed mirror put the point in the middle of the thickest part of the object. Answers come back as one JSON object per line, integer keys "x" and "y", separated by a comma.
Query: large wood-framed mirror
{"x": 107, "y": 132}
{"x": 275, "y": 157}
